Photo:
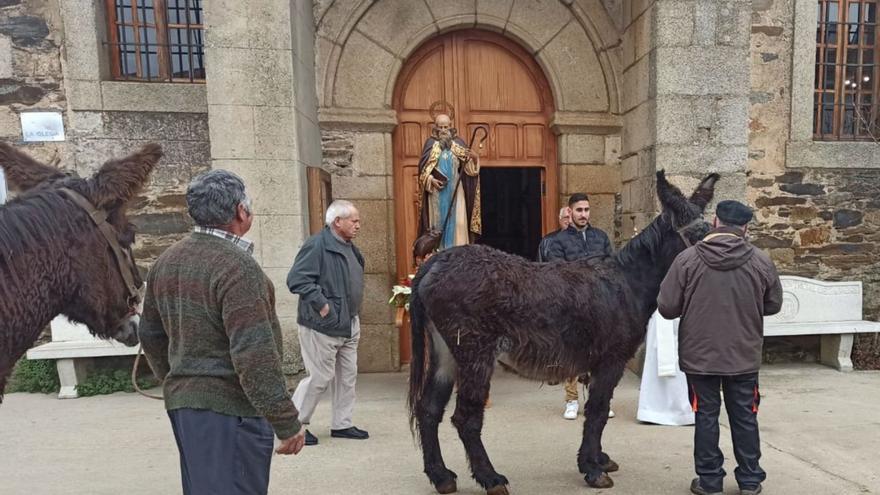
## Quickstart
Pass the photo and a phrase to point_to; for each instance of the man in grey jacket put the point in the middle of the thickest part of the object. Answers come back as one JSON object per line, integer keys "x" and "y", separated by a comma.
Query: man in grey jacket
{"x": 722, "y": 288}
{"x": 328, "y": 275}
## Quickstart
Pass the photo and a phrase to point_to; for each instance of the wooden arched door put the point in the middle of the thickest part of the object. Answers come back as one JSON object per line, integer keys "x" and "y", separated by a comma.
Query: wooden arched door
{"x": 490, "y": 80}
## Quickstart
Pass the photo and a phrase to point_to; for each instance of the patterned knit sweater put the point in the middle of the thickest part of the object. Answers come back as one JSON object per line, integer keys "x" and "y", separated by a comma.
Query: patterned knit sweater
{"x": 210, "y": 331}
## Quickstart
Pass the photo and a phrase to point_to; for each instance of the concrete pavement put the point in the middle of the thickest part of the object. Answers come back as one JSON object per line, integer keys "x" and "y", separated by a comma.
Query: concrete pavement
{"x": 820, "y": 434}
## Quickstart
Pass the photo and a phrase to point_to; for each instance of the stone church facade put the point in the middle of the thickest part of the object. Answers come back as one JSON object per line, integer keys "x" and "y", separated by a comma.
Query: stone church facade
{"x": 272, "y": 88}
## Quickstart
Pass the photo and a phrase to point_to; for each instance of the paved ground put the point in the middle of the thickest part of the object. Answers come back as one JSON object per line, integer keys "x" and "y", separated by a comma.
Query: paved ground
{"x": 820, "y": 434}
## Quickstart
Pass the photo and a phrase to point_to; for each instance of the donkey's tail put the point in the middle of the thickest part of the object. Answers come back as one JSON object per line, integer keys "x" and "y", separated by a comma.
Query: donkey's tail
{"x": 421, "y": 351}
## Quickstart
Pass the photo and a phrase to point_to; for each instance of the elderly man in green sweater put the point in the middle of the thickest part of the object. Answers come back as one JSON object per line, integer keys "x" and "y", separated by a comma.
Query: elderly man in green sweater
{"x": 210, "y": 332}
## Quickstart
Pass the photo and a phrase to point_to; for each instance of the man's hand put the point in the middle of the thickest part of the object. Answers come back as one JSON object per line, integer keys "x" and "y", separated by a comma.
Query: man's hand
{"x": 293, "y": 444}
{"x": 325, "y": 311}
{"x": 434, "y": 184}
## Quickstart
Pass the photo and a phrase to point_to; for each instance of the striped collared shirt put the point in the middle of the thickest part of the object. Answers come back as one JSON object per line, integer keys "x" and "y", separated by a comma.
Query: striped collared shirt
{"x": 242, "y": 242}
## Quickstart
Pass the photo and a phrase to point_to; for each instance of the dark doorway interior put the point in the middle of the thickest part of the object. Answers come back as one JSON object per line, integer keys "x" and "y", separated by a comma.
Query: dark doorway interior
{"x": 511, "y": 205}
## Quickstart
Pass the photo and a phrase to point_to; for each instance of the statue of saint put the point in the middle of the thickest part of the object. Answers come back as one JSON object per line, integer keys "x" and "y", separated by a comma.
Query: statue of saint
{"x": 445, "y": 159}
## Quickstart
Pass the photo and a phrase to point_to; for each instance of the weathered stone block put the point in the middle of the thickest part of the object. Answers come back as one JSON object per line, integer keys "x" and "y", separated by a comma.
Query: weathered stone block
{"x": 602, "y": 213}
{"x": 582, "y": 148}
{"x": 540, "y": 20}
{"x": 155, "y": 126}
{"x": 376, "y": 229}
{"x": 393, "y": 24}
{"x": 86, "y": 124}
{"x": 375, "y": 309}
{"x": 580, "y": 80}
{"x": 733, "y": 119}
{"x": 378, "y": 349}
{"x": 590, "y": 178}
{"x": 683, "y": 159}
{"x": 263, "y": 28}
{"x": 363, "y": 74}
{"x": 84, "y": 95}
{"x": 162, "y": 223}
{"x": 281, "y": 236}
{"x": 371, "y": 157}
{"x": 675, "y": 23}
{"x": 24, "y": 30}
{"x": 274, "y": 133}
{"x": 6, "y": 58}
{"x": 814, "y": 237}
{"x": 241, "y": 76}
{"x": 153, "y": 97}
{"x": 722, "y": 71}
{"x": 612, "y": 150}
{"x": 677, "y": 116}
{"x": 847, "y": 218}
{"x": 636, "y": 134}
{"x": 226, "y": 24}
{"x": 354, "y": 187}
{"x": 232, "y": 135}
{"x": 12, "y": 92}
{"x": 493, "y": 12}
{"x": 453, "y": 12}
{"x": 803, "y": 189}
{"x": 285, "y": 302}
{"x": 636, "y": 84}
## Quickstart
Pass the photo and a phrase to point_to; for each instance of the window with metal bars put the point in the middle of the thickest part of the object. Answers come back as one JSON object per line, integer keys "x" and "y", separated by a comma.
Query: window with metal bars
{"x": 847, "y": 93}
{"x": 156, "y": 40}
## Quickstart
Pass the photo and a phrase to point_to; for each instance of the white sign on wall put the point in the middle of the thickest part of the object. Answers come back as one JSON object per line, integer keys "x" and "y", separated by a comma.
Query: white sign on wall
{"x": 42, "y": 126}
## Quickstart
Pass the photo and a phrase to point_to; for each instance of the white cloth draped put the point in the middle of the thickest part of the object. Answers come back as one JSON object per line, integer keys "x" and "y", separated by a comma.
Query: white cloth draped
{"x": 663, "y": 398}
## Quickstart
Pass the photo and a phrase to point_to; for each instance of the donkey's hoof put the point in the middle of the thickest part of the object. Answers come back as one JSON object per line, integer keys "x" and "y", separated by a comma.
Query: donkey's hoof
{"x": 448, "y": 486}
{"x": 610, "y": 466}
{"x": 498, "y": 490}
{"x": 602, "y": 481}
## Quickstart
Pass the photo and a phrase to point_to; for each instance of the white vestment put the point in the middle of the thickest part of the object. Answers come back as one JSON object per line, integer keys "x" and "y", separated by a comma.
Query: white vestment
{"x": 663, "y": 398}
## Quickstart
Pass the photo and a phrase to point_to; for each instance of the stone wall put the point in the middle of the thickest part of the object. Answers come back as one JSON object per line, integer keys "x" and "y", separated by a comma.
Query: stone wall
{"x": 817, "y": 217}
{"x": 33, "y": 77}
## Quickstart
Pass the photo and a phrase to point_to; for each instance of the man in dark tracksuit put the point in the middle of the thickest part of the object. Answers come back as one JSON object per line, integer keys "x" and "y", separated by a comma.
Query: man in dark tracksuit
{"x": 722, "y": 288}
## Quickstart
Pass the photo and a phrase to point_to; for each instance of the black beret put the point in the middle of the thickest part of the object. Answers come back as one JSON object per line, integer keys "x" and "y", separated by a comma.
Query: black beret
{"x": 733, "y": 212}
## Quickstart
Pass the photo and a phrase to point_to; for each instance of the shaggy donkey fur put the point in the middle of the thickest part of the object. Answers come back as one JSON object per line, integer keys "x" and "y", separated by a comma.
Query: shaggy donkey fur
{"x": 561, "y": 319}
{"x": 52, "y": 257}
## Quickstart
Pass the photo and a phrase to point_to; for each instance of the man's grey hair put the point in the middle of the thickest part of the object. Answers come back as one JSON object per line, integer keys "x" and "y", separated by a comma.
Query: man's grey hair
{"x": 338, "y": 209}
{"x": 212, "y": 198}
{"x": 563, "y": 211}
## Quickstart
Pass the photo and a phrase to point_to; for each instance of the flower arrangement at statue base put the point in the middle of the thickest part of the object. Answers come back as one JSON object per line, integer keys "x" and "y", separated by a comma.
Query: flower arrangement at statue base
{"x": 400, "y": 293}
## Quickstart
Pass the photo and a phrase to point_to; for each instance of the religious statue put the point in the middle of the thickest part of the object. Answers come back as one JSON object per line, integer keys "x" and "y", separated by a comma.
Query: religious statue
{"x": 445, "y": 161}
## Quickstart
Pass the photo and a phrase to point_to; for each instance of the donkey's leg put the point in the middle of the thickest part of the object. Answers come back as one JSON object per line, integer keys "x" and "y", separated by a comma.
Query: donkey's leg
{"x": 473, "y": 389}
{"x": 592, "y": 462}
{"x": 429, "y": 415}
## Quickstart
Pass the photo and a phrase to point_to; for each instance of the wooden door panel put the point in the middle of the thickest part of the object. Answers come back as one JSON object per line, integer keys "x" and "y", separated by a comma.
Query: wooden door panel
{"x": 490, "y": 81}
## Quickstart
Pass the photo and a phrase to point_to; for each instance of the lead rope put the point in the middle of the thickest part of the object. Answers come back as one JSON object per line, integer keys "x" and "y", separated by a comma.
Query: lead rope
{"x": 134, "y": 382}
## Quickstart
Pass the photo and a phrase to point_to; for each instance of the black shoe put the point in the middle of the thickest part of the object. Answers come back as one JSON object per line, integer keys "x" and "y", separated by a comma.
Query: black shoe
{"x": 353, "y": 432}
{"x": 699, "y": 490}
{"x": 311, "y": 439}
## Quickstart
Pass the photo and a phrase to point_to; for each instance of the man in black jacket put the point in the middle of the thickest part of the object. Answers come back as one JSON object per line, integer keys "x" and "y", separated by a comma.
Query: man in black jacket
{"x": 579, "y": 240}
{"x": 722, "y": 288}
{"x": 328, "y": 275}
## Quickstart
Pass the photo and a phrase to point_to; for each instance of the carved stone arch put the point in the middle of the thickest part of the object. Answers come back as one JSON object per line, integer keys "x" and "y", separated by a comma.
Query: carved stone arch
{"x": 362, "y": 44}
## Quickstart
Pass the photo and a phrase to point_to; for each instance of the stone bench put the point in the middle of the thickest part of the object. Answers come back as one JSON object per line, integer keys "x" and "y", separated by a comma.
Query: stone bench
{"x": 72, "y": 348}
{"x": 832, "y": 310}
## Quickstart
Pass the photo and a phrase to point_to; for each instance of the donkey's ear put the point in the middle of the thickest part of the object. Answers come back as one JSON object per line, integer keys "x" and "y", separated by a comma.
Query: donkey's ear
{"x": 703, "y": 194}
{"x": 119, "y": 180}
{"x": 23, "y": 172}
{"x": 668, "y": 194}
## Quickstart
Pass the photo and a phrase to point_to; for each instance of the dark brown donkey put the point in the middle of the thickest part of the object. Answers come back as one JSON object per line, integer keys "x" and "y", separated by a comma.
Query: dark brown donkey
{"x": 54, "y": 257}
{"x": 560, "y": 319}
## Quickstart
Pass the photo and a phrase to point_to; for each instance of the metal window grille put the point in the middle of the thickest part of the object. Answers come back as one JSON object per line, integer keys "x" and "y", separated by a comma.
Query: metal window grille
{"x": 156, "y": 40}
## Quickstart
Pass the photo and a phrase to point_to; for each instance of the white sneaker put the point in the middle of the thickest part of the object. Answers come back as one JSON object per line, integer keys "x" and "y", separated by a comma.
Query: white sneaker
{"x": 571, "y": 409}
{"x": 610, "y": 413}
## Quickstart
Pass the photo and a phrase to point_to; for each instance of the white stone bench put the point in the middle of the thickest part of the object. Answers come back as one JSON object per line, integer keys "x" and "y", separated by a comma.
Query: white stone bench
{"x": 830, "y": 309}
{"x": 71, "y": 347}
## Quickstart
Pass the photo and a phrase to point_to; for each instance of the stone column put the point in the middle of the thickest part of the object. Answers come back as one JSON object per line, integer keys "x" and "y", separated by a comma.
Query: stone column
{"x": 701, "y": 75}
{"x": 252, "y": 116}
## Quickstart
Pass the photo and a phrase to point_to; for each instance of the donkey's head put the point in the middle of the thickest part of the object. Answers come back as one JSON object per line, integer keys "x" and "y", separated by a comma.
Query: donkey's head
{"x": 681, "y": 222}
{"x": 44, "y": 220}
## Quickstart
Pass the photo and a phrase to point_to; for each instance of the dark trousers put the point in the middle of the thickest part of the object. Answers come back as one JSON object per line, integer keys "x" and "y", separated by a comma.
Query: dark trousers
{"x": 222, "y": 454}
{"x": 741, "y": 399}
